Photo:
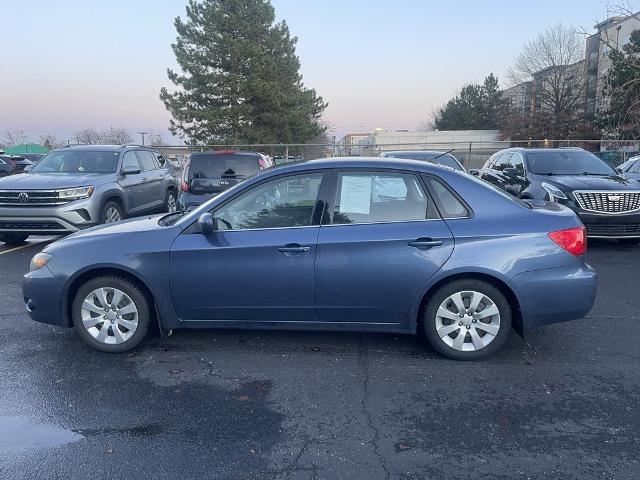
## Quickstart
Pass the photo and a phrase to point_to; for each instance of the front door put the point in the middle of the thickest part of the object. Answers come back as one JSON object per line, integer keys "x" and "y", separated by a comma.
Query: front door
{"x": 133, "y": 184}
{"x": 384, "y": 241}
{"x": 259, "y": 264}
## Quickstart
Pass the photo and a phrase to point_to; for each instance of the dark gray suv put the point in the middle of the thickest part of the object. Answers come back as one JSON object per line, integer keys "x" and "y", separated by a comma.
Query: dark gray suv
{"x": 81, "y": 186}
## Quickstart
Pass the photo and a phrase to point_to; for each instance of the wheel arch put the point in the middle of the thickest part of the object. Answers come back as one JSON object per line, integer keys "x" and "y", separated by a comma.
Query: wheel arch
{"x": 75, "y": 282}
{"x": 499, "y": 283}
{"x": 115, "y": 196}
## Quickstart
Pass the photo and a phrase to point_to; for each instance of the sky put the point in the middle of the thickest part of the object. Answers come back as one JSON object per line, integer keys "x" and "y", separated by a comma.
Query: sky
{"x": 68, "y": 65}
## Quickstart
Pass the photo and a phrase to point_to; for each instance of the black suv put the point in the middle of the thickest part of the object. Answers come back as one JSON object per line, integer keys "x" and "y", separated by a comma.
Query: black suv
{"x": 606, "y": 202}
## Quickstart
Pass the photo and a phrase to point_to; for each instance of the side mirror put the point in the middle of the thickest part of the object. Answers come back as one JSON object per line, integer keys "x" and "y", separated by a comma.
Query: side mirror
{"x": 474, "y": 171}
{"x": 130, "y": 171}
{"x": 207, "y": 223}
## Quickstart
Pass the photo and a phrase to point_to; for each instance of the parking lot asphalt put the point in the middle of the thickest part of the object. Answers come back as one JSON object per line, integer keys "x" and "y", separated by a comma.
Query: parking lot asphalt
{"x": 233, "y": 404}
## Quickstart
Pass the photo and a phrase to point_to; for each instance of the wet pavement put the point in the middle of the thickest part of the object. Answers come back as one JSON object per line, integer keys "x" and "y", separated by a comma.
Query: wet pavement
{"x": 261, "y": 405}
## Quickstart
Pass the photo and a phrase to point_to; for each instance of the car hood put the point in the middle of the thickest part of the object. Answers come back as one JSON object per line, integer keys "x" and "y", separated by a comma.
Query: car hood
{"x": 590, "y": 182}
{"x": 50, "y": 181}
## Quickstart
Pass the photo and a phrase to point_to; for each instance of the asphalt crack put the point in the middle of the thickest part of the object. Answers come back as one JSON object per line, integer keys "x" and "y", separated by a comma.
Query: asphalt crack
{"x": 362, "y": 357}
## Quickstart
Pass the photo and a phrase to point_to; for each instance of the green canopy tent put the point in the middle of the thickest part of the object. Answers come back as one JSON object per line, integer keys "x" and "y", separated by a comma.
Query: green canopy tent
{"x": 26, "y": 148}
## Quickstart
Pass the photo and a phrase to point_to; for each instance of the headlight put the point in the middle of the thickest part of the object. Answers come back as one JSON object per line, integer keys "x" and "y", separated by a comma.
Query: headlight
{"x": 554, "y": 192}
{"x": 75, "y": 193}
{"x": 39, "y": 261}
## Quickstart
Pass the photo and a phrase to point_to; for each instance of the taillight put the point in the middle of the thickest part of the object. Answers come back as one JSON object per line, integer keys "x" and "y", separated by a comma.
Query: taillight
{"x": 184, "y": 186}
{"x": 573, "y": 240}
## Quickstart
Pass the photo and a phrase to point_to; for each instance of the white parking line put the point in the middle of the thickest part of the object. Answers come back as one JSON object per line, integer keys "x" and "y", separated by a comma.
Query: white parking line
{"x": 23, "y": 246}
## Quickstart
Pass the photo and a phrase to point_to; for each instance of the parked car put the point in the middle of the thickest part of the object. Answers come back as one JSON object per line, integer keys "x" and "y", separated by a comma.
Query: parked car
{"x": 440, "y": 158}
{"x": 631, "y": 168}
{"x": 33, "y": 157}
{"x": 206, "y": 174}
{"x": 16, "y": 164}
{"x": 608, "y": 203}
{"x": 333, "y": 244}
{"x": 81, "y": 186}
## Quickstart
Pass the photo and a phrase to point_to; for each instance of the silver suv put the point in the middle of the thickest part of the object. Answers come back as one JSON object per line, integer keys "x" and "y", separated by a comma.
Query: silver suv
{"x": 81, "y": 186}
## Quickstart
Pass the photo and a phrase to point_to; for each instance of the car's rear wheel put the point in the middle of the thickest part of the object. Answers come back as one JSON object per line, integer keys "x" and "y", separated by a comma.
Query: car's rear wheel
{"x": 111, "y": 212}
{"x": 111, "y": 313}
{"x": 13, "y": 238}
{"x": 467, "y": 320}
{"x": 170, "y": 202}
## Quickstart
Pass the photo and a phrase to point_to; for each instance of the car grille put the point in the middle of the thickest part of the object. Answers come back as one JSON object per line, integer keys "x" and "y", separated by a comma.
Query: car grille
{"x": 30, "y": 198}
{"x": 614, "y": 230}
{"x": 33, "y": 225}
{"x": 608, "y": 202}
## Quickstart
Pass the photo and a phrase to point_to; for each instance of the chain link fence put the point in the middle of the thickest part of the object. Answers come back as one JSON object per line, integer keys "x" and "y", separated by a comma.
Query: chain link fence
{"x": 470, "y": 154}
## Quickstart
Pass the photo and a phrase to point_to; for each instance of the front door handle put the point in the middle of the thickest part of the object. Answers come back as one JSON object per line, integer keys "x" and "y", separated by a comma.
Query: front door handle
{"x": 425, "y": 243}
{"x": 294, "y": 248}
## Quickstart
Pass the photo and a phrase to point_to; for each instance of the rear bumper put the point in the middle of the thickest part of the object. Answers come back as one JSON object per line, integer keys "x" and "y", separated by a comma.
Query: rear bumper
{"x": 42, "y": 293}
{"x": 611, "y": 226}
{"x": 555, "y": 295}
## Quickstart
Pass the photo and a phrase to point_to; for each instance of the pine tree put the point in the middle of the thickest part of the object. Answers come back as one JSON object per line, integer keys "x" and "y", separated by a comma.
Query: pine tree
{"x": 240, "y": 80}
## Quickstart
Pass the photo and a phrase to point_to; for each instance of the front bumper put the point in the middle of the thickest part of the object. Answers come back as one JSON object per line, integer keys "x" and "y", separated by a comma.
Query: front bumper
{"x": 43, "y": 298}
{"x": 603, "y": 225}
{"x": 555, "y": 295}
{"x": 57, "y": 220}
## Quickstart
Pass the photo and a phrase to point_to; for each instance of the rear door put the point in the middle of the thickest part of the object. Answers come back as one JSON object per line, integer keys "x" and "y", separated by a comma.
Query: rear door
{"x": 213, "y": 172}
{"x": 380, "y": 243}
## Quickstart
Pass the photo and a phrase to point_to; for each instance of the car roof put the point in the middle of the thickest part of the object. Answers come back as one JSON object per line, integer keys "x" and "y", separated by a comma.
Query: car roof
{"x": 99, "y": 148}
{"x": 541, "y": 150}
{"x": 362, "y": 162}
{"x": 227, "y": 152}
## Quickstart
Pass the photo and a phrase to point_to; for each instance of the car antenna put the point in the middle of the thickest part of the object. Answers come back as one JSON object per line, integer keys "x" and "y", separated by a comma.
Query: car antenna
{"x": 442, "y": 154}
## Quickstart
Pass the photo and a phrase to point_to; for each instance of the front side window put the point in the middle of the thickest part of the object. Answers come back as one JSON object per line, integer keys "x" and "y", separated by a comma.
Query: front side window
{"x": 379, "y": 197}
{"x": 146, "y": 160}
{"x": 130, "y": 161}
{"x": 281, "y": 203}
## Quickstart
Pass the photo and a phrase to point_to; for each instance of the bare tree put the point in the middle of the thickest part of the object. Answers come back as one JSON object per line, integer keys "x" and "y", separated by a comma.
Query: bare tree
{"x": 15, "y": 137}
{"x": 50, "y": 141}
{"x": 554, "y": 61}
{"x": 116, "y": 136}
{"x": 88, "y": 136}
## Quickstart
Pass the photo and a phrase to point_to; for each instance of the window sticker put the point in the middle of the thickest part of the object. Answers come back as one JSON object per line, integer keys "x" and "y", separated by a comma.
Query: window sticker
{"x": 355, "y": 195}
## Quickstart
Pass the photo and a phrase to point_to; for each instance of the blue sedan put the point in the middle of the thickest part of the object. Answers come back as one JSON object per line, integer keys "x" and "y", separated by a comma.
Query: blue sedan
{"x": 387, "y": 245}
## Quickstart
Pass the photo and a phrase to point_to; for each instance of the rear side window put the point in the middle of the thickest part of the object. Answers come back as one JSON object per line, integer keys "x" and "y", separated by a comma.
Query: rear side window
{"x": 450, "y": 206}
{"x": 146, "y": 160}
{"x": 221, "y": 165}
{"x": 379, "y": 197}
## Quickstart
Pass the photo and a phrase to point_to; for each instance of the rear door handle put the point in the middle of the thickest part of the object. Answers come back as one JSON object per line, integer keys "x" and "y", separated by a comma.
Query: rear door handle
{"x": 425, "y": 243}
{"x": 294, "y": 248}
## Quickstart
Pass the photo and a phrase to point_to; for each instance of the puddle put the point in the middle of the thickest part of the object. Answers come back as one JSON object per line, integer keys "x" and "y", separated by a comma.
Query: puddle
{"x": 17, "y": 433}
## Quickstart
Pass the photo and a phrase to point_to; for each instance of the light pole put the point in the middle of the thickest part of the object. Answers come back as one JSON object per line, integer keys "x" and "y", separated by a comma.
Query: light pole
{"x": 143, "y": 134}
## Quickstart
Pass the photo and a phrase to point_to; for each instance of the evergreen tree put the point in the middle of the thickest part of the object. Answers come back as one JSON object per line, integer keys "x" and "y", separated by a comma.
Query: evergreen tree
{"x": 621, "y": 117}
{"x": 476, "y": 107}
{"x": 240, "y": 80}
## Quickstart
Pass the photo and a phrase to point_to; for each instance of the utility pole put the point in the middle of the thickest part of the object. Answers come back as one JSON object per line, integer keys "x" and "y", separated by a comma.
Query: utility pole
{"x": 143, "y": 134}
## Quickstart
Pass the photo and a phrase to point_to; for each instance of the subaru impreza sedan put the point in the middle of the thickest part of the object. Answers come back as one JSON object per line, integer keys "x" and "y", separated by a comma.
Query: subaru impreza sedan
{"x": 386, "y": 245}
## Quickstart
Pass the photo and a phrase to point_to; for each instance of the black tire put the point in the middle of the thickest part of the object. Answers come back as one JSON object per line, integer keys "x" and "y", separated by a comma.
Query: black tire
{"x": 167, "y": 200}
{"x": 106, "y": 209}
{"x": 142, "y": 303}
{"x": 13, "y": 238}
{"x": 629, "y": 241}
{"x": 434, "y": 302}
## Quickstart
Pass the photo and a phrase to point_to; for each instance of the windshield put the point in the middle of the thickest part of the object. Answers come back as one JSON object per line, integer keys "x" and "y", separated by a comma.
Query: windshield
{"x": 567, "y": 163}
{"x": 219, "y": 165}
{"x": 78, "y": 161}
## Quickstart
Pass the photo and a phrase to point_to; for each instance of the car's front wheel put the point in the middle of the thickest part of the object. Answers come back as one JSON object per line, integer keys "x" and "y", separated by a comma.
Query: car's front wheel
{"x": 111, "y": 313}
{"x": 13, "y": 238}
{"x": 111, "y": 212}
{"x": 467, "y": 319}
{"x": 170, "y": 202}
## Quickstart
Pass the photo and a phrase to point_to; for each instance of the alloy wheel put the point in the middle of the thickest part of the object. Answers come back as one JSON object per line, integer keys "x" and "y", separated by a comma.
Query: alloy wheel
{"x": 467, "y": 321}
{"x": 112, "y": 215}
{"x": 171, "y": 203}
{"x": 109, "y": 315}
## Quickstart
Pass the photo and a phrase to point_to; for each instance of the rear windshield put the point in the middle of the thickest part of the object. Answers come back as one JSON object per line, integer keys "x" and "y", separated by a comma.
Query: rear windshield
{"x": 78, "y": 161}
{"x": 219, "y": 165}
{"x": 446, "y": 160}
{"x": 567, "y": 163}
